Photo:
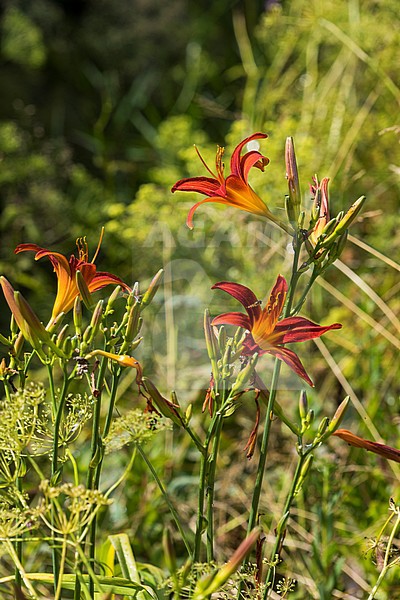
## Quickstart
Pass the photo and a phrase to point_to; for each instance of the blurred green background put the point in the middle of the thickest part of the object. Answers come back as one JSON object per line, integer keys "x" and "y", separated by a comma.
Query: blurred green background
{"x": 101, "y": 104}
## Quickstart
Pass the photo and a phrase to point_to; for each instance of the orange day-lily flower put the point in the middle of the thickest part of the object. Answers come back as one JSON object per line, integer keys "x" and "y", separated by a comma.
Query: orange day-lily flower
{"x": 66, "y": 270}
{"x": 266, "y": 334}
{"x": 233, "y": 190}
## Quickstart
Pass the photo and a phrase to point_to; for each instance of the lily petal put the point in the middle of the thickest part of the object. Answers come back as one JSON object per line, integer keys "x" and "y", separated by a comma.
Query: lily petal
{"x": 232, "y": 318}
{"x": 299, "y": 329}
{"x": 235, "y": 159}
{"x": 245, "y": 296}
{"x": 293, "y": 361}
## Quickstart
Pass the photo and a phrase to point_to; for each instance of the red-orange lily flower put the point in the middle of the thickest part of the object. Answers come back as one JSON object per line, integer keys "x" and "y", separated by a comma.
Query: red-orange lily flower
{"x": 233, "y": 190}
{"x": 266, "y": 334}
{"x": 66, "y": 269}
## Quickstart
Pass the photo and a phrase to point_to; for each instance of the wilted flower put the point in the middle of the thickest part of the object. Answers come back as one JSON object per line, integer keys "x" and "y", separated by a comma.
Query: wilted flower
{"x": 359, "y": 442}
{"x": 266, "y": 334}
{"x": 233, "y": 190}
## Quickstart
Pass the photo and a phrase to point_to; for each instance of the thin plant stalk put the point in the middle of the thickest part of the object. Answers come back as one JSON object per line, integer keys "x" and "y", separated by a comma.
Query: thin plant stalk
{"x": 386, "y": 564}
{"x": 57, "y": 595}
{"x": 54, "y": 465}
{"x": 274, "y": 386}
{"x": 286, "y": 511}
{"x": 211, "y": 487}
{"x": 18, "y": 483}
{"x": 18, "y": 564}
{"x": 200, "y": 505}
{"x": 166, "y": 498}
{"x": 93, "y": 473}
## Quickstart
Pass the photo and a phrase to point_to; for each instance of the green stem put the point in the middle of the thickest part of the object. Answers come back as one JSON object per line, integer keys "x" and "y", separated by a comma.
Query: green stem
{"x": 52, "y": 390}
{"x": 54, "y": 465}
{"x": 200, "y": 505}
{"x": 166, "y": 498}
{"x": 113, "y": 395}
{"x": 386, "y": 564}
{"x": 18, "y": 483}
{"x": 309, "y": 285}
{"x": 61, "y": 571}
{"x": 93, "y": 474}
{"x": 253, "y": 517}
{"x": 281, "y": 532}
{"x": 18, "y": 565}
{"x": 211, "y": 487}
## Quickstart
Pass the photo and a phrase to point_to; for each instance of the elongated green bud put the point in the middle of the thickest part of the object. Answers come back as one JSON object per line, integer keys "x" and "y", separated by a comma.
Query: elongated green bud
{"x": 303, "y": 473}
{"x": 280, "y": 528}
{"x": 322, "y": 426}
{"x": 97, "y": 318}
{"x": 222, "y": 339}
{"x": 329, "y": 227}
{"x": 87, "y": 335}
{"x": 111, "y": 300}
{"x": 84, "y": 291}
{"x": 188, "y": 413}
{"x": 68, "y": 346}
{"x": 152, "y": 289}
{"x": 77, "y": 314}
{"x": 293, "y": 201}
{"x": 132, "y": 326}
{"x": 211, "y": 344}
{"x": 61, "y": 336}
{"x": 346, "y": 221}
{"x": 336, "y": 419}
{"x": 303, "y": 404}
{"x": 244, "y": 375}
{"x": 5, "y": 341}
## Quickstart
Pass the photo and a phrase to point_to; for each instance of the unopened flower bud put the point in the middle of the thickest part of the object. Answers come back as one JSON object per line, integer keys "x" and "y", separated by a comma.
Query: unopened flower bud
{"x": 62, "y": 336}
{"x": 84, "y": 290}
{"x": 222, "y": 338}
{"x": 188, "y": 413}
{"x": 244, "y": 375}
{"x": 211, "y": 343}
{"x": 336, "y": 419}
{"x": 303, "y": 473}
{"x": 132, "y": 326}
{"x": 347, "y": 220}
{"x": 280, "y": 528}
{"x": 77, "y": 314}
{"x": 322, "y": 426}
{"x": 152, "y": 289}
{"x": 5, "y": 341}
{"x": 303, "y": 404}
{"x": 111, "y": 300}
{"x": 294, "y": 198}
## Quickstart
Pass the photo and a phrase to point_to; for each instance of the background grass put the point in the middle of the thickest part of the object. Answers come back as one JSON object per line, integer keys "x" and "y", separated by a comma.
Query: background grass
{"x": 101, "y": 105}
